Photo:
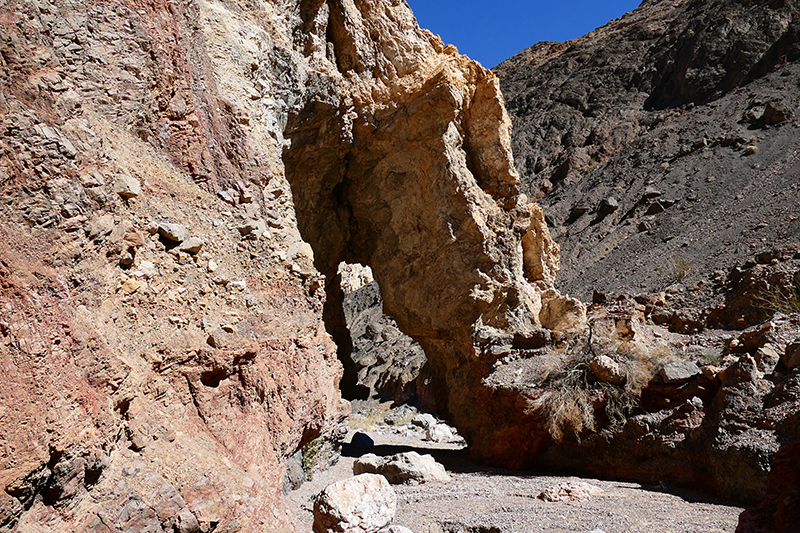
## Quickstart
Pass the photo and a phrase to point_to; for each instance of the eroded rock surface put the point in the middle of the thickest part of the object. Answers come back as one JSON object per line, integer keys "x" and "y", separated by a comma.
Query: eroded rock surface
{"x": 650, "y": 142}
{"x": 400, "y": 160}
{"x": 162, "y": 303}
{"x": 157, "y": 365}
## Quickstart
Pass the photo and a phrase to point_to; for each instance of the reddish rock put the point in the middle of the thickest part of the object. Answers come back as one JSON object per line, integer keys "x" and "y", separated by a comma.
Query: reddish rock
{"x": 780, "y": 509}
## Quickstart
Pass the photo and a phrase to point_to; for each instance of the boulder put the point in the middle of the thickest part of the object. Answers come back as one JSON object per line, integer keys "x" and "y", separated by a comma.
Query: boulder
{"x": 439, "y": 433}
{"x": 404, "y": 412}
{"x": 767, "y": 358}
{"x": 409, "y": 467}
{"x": 252, "y": 229}
{"x": 192, "y": 245}
{"x": 679, "y": 372}
{"x": 569, "y": 492}
{"x": 607, "y": 370}
{"x": 362, "y": 441}
{"x": 424, "y": 420}
{"x": 607, "y": 206}
{"x": 364, "y": 503}
{"x": 791, "y": 358}
{"x": 777, "y": 112}
{"x": 173, "y": 232}
{"x": 127, "y": 187}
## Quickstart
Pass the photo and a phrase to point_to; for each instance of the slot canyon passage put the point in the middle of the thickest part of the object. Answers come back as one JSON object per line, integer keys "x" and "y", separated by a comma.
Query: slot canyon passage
{"x": 180, "y": 181}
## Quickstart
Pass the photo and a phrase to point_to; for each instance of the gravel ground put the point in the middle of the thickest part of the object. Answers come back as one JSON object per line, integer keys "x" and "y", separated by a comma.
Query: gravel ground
{"x": 487, "y": 500}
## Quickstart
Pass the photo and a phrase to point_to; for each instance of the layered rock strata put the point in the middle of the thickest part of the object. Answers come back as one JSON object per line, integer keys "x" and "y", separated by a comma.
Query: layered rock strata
{"x": 162, "y": 339}
{"x": 164, "y": 167}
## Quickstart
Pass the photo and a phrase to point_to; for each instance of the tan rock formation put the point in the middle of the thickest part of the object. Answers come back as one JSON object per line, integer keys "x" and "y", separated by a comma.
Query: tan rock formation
{"x": 399, "y": 159}
{"x": 162, "y": 345}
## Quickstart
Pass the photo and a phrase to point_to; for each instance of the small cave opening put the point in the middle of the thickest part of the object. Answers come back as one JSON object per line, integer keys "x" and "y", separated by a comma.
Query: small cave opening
{"x": 211, "y": 378}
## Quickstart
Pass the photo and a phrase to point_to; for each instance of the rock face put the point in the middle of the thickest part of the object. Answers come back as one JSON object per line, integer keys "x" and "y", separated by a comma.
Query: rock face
{"x": 657, "y": 111}
{"x": 780, "y": 510}
{"x": 384, "y": 362}
{"x": 175, "y": 177}
{"x": 129, "y": 128}
{"x": 399, "y": 159}
{"x": 163, "y": 346}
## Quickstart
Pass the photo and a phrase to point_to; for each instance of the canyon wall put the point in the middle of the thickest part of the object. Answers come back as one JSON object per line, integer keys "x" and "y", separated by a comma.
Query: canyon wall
{"x": 179, "y": 182}
{"x": 662, "y": 146}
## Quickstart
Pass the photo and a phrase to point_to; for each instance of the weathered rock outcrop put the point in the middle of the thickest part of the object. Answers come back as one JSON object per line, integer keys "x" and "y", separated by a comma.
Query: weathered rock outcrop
{"x": 400, "y": 160}
{"x": 385, "y": 363}
{"x": 662, "y": 146}
{"x": 162, "y": 339}
{"x": 179, "y": 184}
{"x": 163, "y": 346}
{"x": 780, "y": 510}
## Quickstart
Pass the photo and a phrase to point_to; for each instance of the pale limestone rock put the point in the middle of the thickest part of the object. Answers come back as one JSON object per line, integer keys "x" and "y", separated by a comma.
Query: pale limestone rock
{"x": 399, "y": 158}
{"x": 409, "y": 467}
{"x": 173, "y": 231}
{"x": 355, "y": 276}
{"x": 541, "y": 255}
{"x": 365, "y": 503}
{"x": 127, "y": 186}
{"x": 439, "y": 433}
{"x": 607, "y": 370}
{"x": 192, "y": 245}
{"x": 253, "y": 229}
{"x": 767, "y": 358}
{"x": 424, "y": 420}
{"x": 679, "y": 372}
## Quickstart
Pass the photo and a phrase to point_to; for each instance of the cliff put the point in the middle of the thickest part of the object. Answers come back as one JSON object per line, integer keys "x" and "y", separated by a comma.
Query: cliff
{"x": 180, "y": 181}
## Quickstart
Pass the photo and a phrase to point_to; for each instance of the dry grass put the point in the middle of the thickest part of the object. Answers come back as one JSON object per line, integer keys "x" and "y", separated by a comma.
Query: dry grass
{"x": 575, "y": 402}
{"x": 782, "y": 299}
{"x": 366, "y": 422}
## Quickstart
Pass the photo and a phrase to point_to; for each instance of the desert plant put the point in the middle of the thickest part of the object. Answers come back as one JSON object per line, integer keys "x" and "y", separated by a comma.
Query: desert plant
{"x": 779, "y": 299}
{"x": 572, "y": 393}
{"x": 712, "y": 357}
{"x": 679, "y": 269}
{"x": 311, "y": 456}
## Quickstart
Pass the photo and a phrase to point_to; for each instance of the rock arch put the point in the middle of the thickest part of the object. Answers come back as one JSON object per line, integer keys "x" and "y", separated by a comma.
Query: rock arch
{"x": 400, "y": 159}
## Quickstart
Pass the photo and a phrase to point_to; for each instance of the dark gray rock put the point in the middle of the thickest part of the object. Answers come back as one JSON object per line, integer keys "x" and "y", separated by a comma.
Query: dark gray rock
{"x": 660, "y": 101}
{"x": 388, "y": 363}
{"x": 362, "y": 441}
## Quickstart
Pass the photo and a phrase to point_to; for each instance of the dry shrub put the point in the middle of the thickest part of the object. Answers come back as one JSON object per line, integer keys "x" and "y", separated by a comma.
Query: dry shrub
{"x": 779, "y": 299}
{"x": 572, "y": 394}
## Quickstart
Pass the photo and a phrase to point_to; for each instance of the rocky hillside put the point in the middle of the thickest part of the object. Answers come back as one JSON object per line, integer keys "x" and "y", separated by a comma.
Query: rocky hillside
{"x": 663, "y": 146}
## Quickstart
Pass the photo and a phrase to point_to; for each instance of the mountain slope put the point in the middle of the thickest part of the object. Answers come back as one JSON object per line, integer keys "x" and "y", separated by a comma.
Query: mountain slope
{"x": 664, "y": 144}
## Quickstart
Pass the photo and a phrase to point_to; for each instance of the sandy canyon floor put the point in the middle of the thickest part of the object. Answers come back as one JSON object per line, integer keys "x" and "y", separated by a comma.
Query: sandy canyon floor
{"x": 491, "y": 500}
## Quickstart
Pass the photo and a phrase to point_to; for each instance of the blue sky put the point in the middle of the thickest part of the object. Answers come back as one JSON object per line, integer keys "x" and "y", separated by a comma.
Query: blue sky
{"x": 494, "y": 30}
